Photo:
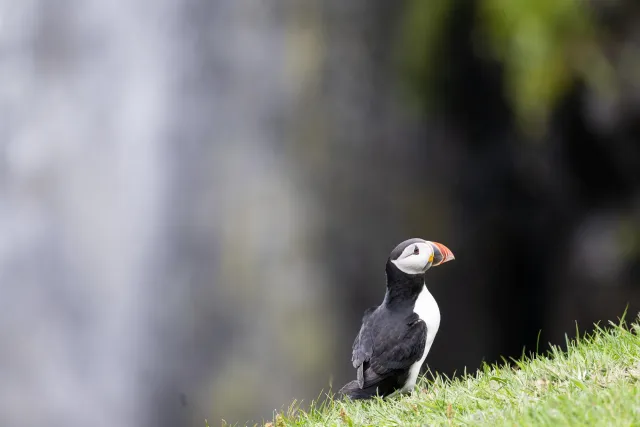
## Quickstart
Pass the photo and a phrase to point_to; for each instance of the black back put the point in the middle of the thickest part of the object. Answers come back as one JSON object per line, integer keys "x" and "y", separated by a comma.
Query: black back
{"x": 388, "y": 344}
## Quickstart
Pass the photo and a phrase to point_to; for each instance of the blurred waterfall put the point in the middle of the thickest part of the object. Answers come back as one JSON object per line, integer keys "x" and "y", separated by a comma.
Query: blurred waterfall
{"x": 155, "y": 247}
{"x": 83, "y": 107}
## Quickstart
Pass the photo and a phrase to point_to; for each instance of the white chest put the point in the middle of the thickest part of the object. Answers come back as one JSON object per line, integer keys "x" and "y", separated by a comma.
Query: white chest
{"x": 427, "y": 309}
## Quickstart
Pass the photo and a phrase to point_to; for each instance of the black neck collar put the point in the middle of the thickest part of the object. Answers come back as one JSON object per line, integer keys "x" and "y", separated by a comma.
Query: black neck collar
{"x": 402, "y": 288}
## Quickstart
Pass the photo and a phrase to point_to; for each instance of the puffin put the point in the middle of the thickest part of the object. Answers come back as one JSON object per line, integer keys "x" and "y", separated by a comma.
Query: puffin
{"x": 395, "y": 337}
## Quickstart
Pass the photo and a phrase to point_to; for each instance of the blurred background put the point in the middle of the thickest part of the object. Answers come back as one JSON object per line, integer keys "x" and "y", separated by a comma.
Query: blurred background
{"x": 198, "y": 197}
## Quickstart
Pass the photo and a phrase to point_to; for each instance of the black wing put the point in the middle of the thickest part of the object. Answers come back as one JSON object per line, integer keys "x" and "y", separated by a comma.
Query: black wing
{"x": 400, "y": 346}
{"x": 380, "y": 349}
{"x": 363, "y": 345}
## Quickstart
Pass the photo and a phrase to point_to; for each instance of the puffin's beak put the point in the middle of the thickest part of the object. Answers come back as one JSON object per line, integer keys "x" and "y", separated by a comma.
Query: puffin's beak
{"x": 441, "y": 254}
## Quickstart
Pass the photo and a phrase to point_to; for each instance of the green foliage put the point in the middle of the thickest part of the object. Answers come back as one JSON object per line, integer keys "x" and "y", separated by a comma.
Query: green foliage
{"x": 422, "y": 29}
{"x": 595, "y": 382}
{"x": 543, "y": 45}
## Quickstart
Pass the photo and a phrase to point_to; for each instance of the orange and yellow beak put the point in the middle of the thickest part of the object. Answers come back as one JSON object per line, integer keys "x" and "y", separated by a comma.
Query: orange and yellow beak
{"x": 441, "y": 254}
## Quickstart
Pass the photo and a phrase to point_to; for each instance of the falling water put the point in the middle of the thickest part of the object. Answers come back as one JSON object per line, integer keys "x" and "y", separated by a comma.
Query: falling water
{"x": 147, "y": 215}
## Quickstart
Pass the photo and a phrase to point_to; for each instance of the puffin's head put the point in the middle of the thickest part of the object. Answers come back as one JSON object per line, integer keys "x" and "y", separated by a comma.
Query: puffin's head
{"x": 415, "y": 256}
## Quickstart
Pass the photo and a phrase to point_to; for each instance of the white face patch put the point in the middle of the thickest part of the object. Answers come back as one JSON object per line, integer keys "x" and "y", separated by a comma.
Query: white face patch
{"x": 415, "y": 259}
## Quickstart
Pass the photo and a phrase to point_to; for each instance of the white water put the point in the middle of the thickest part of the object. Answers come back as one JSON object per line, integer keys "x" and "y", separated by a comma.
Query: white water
{"x": 143, "y": 202}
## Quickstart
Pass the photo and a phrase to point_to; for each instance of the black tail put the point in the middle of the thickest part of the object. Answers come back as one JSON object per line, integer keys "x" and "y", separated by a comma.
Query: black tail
{"x": 353, "y": 391}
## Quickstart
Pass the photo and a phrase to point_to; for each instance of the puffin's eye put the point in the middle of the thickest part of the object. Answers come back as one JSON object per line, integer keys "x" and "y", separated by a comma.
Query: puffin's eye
{"x": 416, "y": 251}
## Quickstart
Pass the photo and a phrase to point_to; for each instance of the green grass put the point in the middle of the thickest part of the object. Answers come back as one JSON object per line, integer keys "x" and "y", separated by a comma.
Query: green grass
{"x": 595, "y": 382}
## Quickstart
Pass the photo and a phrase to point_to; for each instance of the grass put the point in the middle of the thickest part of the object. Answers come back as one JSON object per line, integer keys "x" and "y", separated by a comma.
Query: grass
{"x": 595, "y": 382}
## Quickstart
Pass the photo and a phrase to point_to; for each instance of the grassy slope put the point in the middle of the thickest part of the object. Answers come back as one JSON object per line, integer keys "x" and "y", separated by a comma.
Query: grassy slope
{"x": 597, "y": 381}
